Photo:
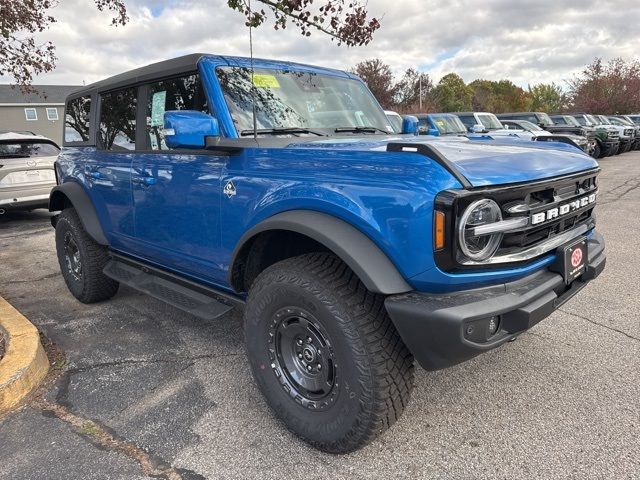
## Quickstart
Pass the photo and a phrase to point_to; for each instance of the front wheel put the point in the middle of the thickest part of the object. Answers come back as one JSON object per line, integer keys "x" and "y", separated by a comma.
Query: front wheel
{"x": 325, "y": 353}
{"x": 597, "y": 152}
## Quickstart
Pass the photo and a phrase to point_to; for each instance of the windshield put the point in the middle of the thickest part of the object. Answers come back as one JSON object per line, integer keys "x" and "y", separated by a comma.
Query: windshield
{"x": 27, "y": 149}
{"x": 593, "y": 120}
{"x": 635, "y": 119}
{"x": 295, "y": 99}
{"x": 530, "y": 127}
{"x": 545, "y": 119}
{"x": 572, "y": 121}
{"x": 490, "y": 121}
{"x": 395, "y": 120}
{"x": 448, "y": 124}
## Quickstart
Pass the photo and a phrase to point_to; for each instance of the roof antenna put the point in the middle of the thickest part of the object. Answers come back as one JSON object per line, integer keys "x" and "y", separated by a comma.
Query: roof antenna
{"x": 253, "y": 86}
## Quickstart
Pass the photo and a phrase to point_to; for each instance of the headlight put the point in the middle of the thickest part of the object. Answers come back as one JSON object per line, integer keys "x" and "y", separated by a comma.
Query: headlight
{"x": 481, "y": 246}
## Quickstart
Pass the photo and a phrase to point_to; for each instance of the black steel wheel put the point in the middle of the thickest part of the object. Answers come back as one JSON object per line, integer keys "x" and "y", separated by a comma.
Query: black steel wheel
{"x": 324, "y": 352}
{"x": 303, "y": 358}
{"x": 72, "y": 257}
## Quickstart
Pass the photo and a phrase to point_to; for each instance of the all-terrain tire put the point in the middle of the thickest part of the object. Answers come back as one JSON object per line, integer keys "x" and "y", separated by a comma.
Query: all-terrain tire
{"x": 597, "y": 151}
{"x": 373, "y": 374}
{"x": 82, "y": 270}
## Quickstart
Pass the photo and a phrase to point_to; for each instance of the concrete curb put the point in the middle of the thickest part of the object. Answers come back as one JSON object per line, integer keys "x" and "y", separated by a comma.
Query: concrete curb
{"x": 25, "y": 362}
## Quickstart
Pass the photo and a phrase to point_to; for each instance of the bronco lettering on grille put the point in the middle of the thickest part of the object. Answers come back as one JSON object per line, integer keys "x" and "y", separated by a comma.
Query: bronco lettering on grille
{"x": 562, "y": 210}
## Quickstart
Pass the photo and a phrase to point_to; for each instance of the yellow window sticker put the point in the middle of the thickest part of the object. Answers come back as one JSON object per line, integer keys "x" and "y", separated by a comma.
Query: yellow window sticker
{"x": 265, "y": 81}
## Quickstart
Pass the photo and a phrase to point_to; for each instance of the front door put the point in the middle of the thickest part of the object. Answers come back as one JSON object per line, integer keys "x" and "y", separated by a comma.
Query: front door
{"x": 176, "y": 195}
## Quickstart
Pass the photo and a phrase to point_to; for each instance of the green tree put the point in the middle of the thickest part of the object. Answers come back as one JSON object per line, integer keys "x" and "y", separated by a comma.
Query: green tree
{"x": 483, "y": 95}
{"x": 498, "y": 96}
{"x": 452, "y": 94}
{"x": 547, "y": 97}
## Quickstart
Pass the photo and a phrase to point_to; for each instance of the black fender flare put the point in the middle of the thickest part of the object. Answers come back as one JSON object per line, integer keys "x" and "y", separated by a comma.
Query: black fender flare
{"x": 78, "y": 197}
{"x": 359, "y": 252}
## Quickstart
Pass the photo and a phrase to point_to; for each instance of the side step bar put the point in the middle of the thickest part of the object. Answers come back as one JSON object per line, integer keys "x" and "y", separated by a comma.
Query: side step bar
{"x": 203, "y": 302}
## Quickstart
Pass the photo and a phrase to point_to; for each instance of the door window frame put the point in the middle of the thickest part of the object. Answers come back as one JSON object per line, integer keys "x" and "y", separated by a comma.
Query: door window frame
{"x": 142, "y": 144}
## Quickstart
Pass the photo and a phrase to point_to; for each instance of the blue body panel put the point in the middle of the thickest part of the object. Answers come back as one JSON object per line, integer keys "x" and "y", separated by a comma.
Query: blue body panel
{"x": 168, "y": 208}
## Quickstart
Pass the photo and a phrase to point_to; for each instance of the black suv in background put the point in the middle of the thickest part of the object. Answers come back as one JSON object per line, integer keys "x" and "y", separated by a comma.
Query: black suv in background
{"x": 608, "y": 137}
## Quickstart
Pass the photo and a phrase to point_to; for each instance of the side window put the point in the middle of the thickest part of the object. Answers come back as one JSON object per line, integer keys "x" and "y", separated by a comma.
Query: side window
{"x": 76, "y": 120}
{"x": 183, "y": 93}
{"x": 118, "y": 120}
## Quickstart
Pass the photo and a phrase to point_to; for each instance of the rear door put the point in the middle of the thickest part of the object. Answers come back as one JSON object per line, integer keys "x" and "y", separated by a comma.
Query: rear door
{"x": 107, "y": 171}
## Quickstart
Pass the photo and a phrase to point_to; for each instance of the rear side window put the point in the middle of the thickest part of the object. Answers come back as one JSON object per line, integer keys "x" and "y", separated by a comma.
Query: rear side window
{"x": 27, "y": 149}
{"x": 118, "y": 120}
{"x": 76, "y": 120}
{"x": 560, "y": 120}
{"x": 183, "y": 93}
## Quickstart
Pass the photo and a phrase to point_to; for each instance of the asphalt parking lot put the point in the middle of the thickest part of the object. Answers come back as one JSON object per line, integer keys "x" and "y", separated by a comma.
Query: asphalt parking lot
{"x": 150, "y": 391}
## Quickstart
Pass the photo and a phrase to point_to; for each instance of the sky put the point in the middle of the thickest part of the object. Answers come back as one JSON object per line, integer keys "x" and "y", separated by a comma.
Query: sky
{"x": 525, "y": 41}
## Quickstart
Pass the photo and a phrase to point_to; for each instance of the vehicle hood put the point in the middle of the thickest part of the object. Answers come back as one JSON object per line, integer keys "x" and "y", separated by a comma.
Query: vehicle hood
{"x": 481, "y": 162}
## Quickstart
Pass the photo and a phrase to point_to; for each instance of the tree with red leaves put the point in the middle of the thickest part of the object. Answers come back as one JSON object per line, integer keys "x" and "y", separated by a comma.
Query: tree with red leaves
{"x": 345, "y": 21}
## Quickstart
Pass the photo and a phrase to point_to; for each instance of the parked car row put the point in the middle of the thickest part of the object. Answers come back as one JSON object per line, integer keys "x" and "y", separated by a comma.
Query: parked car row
{"x": 597, "y": 135}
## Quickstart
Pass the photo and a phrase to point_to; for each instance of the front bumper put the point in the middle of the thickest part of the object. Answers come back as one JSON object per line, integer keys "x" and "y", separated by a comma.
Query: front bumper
{"x": 447, "y": 329}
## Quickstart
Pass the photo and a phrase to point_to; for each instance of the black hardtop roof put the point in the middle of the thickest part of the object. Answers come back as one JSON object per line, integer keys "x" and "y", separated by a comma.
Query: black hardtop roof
{"x": 165, "y": 68}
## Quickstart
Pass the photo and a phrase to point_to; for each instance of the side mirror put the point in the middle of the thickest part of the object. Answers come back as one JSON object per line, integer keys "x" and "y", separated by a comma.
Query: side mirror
{"x": 188, "y": 128}
{"x": 410, "y": 124}
{"x": 477, "y": 128}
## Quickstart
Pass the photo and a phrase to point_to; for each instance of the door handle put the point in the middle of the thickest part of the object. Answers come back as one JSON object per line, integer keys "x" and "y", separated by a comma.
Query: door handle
{"x": 145, "y": 181}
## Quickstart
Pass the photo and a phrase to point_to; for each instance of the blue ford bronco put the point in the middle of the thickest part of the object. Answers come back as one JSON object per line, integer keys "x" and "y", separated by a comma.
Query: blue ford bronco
{"x": 209, "y": 182}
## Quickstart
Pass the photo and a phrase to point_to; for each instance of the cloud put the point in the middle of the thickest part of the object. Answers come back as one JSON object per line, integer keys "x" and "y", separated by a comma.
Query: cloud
{"x": 527, "y": 42}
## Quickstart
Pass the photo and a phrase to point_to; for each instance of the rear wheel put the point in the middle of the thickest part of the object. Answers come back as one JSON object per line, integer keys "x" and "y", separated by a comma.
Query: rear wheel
{"x": 325, "y": 354}
{"x": 82, "y": 260}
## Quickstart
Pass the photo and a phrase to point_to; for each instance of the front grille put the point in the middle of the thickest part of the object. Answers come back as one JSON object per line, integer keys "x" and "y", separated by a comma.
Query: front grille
{"x": 613, "y": 135}
{"x": 628, "y": 132}
{"x": 530, "y": 200}
{"x": 542, "y": 200}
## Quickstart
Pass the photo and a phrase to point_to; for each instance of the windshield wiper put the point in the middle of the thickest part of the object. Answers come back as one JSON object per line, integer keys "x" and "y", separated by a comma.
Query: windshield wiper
{"x": 282, "y": 130}
{"x": 358, "y": 129}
